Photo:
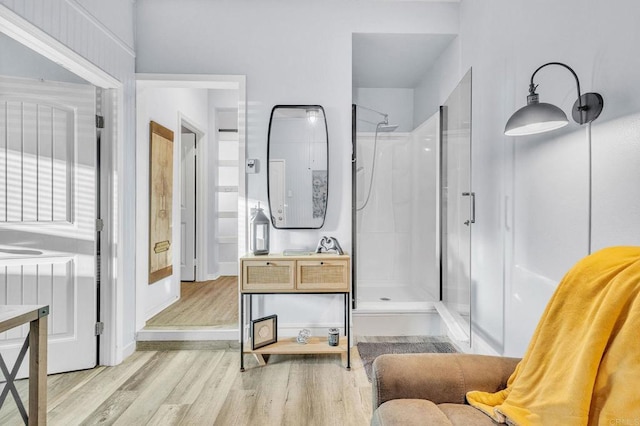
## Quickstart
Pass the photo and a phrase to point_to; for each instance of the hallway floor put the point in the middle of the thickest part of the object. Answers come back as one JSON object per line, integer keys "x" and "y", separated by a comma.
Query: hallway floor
{"x": 202, "y": 304}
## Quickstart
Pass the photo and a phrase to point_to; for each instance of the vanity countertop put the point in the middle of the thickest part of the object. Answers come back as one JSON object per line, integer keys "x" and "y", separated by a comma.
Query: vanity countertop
{"x": 289, "y": 256}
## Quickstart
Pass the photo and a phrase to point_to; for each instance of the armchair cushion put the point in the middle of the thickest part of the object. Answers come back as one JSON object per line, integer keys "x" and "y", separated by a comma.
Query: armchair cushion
{"x": 408, "y": 412}
{"x": 430, "y": 389}
{"x": 420, "y": 412}
{"x": 439, "y": 378}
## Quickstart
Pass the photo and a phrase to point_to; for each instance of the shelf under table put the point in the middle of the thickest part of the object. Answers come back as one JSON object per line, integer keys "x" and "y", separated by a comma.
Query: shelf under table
{"x": 289, "y": 346}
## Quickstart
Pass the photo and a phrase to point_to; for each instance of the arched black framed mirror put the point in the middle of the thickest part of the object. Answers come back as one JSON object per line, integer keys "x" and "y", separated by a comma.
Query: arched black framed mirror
{"x": 298, "y": 166}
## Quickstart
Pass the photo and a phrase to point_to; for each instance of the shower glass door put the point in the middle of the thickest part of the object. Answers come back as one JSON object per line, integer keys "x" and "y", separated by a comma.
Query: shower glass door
{"x": 457, "y": 210}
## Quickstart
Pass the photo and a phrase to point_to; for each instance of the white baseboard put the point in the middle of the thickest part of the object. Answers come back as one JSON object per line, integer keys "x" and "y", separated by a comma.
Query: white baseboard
{"x": 159, "y": 308}
{"x": 128, "y": 350}
{"x": 212, "y": 277}
{"x": 186, "y": 335}
{"x": 228, "y": 268}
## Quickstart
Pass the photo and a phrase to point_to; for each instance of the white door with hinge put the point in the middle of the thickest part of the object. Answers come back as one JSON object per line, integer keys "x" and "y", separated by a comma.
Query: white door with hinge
{"x": 47, "y": 215}
{"x": 188, "y": 206}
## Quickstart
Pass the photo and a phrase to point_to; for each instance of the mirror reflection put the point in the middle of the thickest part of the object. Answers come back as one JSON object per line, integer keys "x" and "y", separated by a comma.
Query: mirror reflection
{"x": 297, "y": 166}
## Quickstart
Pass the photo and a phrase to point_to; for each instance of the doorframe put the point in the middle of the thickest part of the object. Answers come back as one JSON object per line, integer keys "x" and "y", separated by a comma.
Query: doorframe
{"x": 111, "y": 299}
{"x": 205, "y": 81}
{"x": 201, "y": 149}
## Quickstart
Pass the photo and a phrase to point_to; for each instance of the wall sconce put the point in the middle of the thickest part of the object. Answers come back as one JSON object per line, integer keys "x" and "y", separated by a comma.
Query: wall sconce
{"x": 538, "y": 117}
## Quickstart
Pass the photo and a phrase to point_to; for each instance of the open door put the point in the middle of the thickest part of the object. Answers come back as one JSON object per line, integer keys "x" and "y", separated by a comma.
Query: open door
{"x": 47, "y": 215}
{"x": 457, "y": 211}
{"x": 188, "y": 207}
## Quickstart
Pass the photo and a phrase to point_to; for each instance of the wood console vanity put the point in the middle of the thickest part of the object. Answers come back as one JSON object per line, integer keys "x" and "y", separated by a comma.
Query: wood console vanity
{"x": 307, "y": 274}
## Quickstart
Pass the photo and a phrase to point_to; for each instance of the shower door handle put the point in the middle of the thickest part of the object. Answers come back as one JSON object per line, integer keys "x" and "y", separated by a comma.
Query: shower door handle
{"x": 473, "y": 207}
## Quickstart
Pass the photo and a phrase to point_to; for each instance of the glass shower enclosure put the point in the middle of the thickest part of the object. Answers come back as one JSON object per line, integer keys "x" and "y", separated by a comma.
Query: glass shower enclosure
{"x": 395, "y": 198}
{"x": 413, "y": 212}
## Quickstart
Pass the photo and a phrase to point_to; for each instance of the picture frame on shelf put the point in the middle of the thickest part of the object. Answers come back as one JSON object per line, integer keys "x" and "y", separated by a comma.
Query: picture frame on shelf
{"x": 264, "y": 331}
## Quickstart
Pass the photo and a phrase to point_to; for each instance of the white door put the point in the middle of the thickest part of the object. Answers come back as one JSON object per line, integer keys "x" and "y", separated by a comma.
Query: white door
{"x": 47, "y": 215}
{"x": 188, "y": 207}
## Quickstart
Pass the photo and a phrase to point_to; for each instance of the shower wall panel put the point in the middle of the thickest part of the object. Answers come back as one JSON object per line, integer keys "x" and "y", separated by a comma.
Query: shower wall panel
{"x": 383, "y": 230}
{"x": 397, "y": 227}
{"x": 424, "y": 219}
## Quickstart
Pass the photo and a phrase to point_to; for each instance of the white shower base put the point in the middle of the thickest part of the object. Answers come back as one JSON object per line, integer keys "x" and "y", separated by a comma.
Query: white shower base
{"x": 407, "y": 312}
{"x": 392, "y": 298}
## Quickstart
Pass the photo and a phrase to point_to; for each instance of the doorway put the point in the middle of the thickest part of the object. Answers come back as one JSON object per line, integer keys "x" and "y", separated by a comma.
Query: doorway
{"x": 190, "y": 139}
{"x": 199, "y": 303}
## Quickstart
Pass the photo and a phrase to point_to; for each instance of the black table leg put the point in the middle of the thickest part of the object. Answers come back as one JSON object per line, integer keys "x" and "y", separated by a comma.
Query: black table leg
{"x": 241, "y": 332}
{"x": 347, "y": 309}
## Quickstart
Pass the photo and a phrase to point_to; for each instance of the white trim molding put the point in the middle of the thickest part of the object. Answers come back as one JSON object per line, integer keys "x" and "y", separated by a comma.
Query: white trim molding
{"x": 39, "y": 41}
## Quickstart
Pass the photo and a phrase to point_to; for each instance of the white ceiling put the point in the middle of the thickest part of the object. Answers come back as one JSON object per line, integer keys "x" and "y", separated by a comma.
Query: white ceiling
{"x": 395, "y": 60}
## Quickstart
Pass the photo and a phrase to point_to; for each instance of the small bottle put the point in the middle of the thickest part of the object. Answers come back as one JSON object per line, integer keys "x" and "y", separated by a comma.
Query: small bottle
{"x": 334, "y": 337}
{"x": 259, "y": 232}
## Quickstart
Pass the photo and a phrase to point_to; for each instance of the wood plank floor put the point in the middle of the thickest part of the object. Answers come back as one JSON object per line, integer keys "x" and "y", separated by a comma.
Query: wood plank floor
{"x": 205, "y": 387}
{"x": 201, "y": 304}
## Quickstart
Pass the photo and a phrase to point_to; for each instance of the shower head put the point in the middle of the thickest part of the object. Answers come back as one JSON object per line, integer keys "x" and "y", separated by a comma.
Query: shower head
{"x": 385, "y": 128}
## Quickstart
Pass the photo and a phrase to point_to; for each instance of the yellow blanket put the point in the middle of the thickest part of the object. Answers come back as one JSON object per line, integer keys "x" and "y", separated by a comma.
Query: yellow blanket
{"x": 582, "y": 366}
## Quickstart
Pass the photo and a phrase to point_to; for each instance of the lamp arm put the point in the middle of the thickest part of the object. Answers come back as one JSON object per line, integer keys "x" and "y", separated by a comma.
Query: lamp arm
{"x": 532, "y": 86}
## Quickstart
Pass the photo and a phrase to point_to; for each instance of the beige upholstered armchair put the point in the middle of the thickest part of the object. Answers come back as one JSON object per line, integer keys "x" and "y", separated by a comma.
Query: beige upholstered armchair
{"x": 430, "y": 389}
{"x": 580, "y": 367}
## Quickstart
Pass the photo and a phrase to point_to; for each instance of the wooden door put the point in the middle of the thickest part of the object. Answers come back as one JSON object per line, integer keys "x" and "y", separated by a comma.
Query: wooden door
{"x": 47, "y": 214}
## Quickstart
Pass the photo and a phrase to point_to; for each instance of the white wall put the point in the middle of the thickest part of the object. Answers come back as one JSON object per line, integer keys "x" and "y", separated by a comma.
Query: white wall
{"x": 437, "y": 83}
{"x": 269, "y": 42}
{"x": 162, "y": 105}
{"x": 102, "y": 32}
{"x": 116, "y": 15}
{"x": 532, "y": 197}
